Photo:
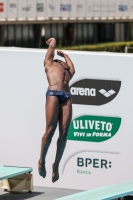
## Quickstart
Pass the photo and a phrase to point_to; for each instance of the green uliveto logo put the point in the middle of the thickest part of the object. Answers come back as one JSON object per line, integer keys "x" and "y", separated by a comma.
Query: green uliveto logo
{"x": 93, "y": 128}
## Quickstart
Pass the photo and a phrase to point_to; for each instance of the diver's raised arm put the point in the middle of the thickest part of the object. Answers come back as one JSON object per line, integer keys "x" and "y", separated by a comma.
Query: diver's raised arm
{"x": 50, "y": 52}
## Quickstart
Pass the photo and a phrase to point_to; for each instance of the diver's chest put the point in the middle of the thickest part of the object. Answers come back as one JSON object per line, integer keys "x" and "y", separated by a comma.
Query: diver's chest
{"x": 61, "y": 71}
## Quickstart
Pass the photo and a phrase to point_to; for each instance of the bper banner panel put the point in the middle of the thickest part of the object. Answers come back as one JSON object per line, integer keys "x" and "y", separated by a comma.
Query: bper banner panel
{"x": 49, "y": 8}
{"x": 104, "y": 8}
{"x": 89, "y": 9}
{"x": 99, "y": 146}
{"x": 96, "y": 8}
{"x": 3, "y": 10}
{"x": 65, "y": 8}
{"x": 111, "y": 8}
{"x": 31, "y": 12}
{"x": 130, "y": 14}
{"x": 41, "y": 9}
{"x": 119, "y": 9}
{"x": 22, "y": 9}
{"x": 81, "y": 9}
{"x": 56, "y": 11}
{"x": 125, "y": 8}
{"x": 73, "y": 13}
{"x": 12, "y": 8}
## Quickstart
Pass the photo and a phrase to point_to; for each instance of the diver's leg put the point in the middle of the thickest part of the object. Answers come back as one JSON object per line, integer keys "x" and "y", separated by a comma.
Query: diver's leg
{"x": 52, "y": 114}
{"x": 64, "y": 123}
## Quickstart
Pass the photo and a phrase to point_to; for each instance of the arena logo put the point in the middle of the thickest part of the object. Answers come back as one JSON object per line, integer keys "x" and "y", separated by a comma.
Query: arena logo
{"x": 94, "y": 92}
{"x": 93, "y": 128}
{"x": 83, "y": 91}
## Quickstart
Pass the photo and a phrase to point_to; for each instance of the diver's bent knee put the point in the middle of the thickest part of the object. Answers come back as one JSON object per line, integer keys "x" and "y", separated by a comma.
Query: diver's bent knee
{"x": 50, "y": 129}
{"x": 47, "y": 136}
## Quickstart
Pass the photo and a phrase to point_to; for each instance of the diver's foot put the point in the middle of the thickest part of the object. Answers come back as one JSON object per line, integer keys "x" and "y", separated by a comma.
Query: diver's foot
{"x": 55, "y": 174}
{"x": 41, "y": 169}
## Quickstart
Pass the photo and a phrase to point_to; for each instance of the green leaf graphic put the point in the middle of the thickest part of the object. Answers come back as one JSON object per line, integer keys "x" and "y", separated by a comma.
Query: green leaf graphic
{"x": 93, "y": 128}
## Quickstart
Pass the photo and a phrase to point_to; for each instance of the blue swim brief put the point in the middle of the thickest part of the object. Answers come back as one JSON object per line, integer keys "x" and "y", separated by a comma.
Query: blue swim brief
{"x": 62, "y": 95}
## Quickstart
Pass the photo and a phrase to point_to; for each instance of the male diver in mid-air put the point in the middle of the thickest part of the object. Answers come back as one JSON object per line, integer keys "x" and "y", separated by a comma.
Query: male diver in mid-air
{"x": 58, "y": 105}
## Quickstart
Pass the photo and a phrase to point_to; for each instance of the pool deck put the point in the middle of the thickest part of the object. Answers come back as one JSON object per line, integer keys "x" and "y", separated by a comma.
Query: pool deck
{"x": 39, "y": 193}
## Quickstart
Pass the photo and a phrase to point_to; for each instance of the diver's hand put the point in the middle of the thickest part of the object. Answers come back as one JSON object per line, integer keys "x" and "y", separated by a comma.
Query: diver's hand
{"x": 60, "y": 53}
{"x": 53, "y": 40}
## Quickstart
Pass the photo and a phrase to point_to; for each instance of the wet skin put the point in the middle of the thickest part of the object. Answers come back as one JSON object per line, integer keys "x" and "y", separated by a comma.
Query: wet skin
{"x": 58, "y": 76}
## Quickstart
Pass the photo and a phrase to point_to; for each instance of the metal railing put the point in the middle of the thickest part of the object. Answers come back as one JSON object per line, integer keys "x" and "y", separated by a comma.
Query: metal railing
{"x": 127, "y": 48}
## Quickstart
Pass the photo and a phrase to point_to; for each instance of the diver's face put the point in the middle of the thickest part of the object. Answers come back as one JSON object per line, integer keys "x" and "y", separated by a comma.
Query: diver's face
{"x": 63, "y": 64}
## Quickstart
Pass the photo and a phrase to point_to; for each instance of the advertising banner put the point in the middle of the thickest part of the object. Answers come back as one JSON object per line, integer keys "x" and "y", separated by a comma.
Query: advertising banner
{"x": 104, "y": 8}
{"x": 31, "y": 11}
{"x": 22, "y": 9}
{"x": 12, "y": 9}
{"x": 81, "y": 9}
{"x": 96, "y": 8}
{"x": 49, "y": 8}
{"x": 77, "y": 9}
{"x": 111, "y": 8}
{"x": 125, "y": 8}
{"x": 41, "y": 9}
{"x": 99, "y": 147}
{"x": 119, "y": 9}
{"x": 56, "y": 11}
{"x": 89, "y": 9}
{"x": 65, "y": 8}
{"x": 74, "y": 13}
{"x": 130, "y": 9}
{"x": 3, "y": 9}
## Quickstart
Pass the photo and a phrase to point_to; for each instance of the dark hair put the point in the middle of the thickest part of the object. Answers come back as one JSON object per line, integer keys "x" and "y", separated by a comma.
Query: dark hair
{"x": 55, "y": 60}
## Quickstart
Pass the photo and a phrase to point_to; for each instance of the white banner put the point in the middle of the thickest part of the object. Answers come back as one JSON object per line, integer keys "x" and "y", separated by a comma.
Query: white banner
{"x": 66, "y": 8}
{"x": 49, "y": 8}
{"x": 111, "y": 8}
{"x": 41, "y": 9}
{"x": 31, "y": 11}
{"x": 74, "y": 13}
{"x": 3, "y": 9}
{"x": 119, "y": 9}
{"x": 12, "y": 9}
{"x": 104, "y": 8}
{"x": 56, "y": 12}
{"x": 22, "y": 9}
{"x": 99, "y": 147}
{"x": 89, "y": 9}
{"x": 96, "y": 8}
{"x": 125, "y": 8}
{"x": 130, "y": 9}
{"x": 81, "y": 9}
